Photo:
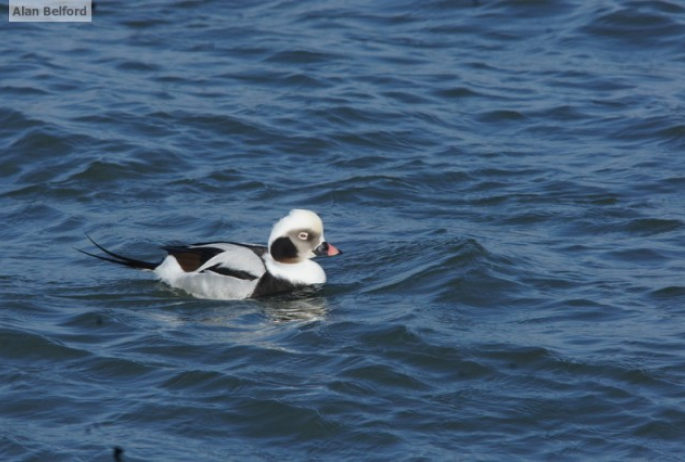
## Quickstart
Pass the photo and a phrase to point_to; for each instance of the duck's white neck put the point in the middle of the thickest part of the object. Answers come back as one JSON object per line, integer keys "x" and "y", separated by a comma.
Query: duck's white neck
{"x": 306, "y": 272}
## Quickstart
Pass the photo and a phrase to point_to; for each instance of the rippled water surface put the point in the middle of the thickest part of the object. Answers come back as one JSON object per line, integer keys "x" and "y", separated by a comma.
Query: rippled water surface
{"x": 506, "y": 179}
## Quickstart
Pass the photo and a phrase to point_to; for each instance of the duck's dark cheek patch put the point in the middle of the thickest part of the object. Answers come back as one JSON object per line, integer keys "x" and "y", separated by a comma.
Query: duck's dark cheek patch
{"x": 283, "y": 250}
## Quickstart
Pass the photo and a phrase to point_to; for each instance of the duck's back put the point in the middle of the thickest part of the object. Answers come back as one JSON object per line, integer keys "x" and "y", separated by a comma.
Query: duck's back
{"x": 218, "y": 270}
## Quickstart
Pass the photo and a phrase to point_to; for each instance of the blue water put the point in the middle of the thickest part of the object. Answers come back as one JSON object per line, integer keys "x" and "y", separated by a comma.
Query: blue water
{"x": 506, "y": 179}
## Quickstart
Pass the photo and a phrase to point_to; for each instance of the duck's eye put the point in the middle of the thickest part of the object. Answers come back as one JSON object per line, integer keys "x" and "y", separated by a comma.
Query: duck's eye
{"x": 304, "y": 236}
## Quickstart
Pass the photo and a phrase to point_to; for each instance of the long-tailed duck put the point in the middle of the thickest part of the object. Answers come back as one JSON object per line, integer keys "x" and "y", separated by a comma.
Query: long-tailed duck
{"x": 230, "y": 270}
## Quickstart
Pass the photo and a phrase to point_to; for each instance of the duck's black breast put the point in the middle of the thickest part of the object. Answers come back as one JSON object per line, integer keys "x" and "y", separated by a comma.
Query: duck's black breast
{"x": 271, "y": 285}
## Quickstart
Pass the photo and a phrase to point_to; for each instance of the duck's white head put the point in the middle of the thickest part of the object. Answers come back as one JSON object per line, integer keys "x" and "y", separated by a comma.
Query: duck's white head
{"x": 299, "y": 236}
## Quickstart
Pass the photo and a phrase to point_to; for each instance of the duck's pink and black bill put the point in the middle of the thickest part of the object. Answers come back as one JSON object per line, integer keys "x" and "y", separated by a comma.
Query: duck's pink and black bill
{"x": 327, "y": 250}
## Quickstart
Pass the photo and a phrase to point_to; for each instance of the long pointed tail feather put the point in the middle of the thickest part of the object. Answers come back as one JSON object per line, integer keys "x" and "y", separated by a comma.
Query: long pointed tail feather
{"x": 119, "y": 259}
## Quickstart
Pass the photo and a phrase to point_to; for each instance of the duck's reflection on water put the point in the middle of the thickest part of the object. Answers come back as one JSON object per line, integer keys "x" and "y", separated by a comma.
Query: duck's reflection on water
{"x": 296, "y": 307}
{"x": 302, "y": 306}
